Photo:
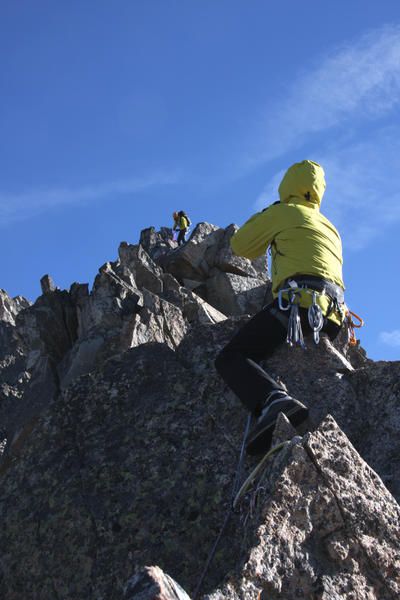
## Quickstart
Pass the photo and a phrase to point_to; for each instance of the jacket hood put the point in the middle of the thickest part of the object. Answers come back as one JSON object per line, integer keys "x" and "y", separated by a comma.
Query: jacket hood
{"x": 303, "y": 181}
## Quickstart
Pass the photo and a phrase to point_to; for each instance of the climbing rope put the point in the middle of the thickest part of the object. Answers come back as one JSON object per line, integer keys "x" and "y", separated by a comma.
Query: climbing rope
{"x": 239, "y": 468}
{"x": 229, "y": 512}
{"x": 257, "y": 471}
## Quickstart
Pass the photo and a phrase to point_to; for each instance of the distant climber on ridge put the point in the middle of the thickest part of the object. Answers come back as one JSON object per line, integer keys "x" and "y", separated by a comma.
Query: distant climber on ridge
{"x": 181, "y": 223}
{"x": 308, "y": 292}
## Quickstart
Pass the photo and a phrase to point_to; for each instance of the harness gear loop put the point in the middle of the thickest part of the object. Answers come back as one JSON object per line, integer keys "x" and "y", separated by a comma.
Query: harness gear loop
{"x": 351, "y": 325}
{"x": 315, "y": 317}
{"x": 291, "y": 301}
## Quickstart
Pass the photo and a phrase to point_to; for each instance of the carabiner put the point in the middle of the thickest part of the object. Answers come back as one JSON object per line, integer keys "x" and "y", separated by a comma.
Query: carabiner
{"x": 359, "y": 319}
{"x": 280, "y": 303}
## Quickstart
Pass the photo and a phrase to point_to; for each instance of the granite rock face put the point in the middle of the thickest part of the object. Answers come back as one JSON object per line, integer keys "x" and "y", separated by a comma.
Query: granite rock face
{"x": 232, "y": 284}
{"x": 120, "y": 442}
{"x": 329, "y": 527}
{"x": 10, "y": 307}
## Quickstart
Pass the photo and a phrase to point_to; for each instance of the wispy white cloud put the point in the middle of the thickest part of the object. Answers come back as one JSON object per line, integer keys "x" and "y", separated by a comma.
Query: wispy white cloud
{"x": 270, "y": 191}
{"x": 363, "y": 194}
{"x": 20, "y": 206}
{"x": 358, "y": 81}
{"x": 391, "y": 338}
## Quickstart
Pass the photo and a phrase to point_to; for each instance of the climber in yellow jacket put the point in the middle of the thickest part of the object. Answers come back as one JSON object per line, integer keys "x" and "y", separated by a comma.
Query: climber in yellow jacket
{"x": 307, "y": 288}
{"x": 181, "y": 223}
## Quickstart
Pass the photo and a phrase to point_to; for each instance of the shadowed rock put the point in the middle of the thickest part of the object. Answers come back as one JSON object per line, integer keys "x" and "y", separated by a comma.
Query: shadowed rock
{"x": 47, "y": 284}
{"x": 122, "y": 441}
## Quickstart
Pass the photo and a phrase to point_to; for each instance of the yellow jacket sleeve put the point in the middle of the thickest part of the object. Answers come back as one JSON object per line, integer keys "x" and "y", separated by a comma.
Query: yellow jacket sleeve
{"x": 254, "y": 237}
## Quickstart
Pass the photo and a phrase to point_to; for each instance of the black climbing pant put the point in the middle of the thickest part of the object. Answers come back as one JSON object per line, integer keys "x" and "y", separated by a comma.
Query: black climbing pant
{"x": 181, "y": 237}
{"x": 238, "y": 362}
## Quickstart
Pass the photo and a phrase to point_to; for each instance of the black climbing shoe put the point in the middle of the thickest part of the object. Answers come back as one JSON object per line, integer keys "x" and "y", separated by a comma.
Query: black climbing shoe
{"x": 261, "y": 435}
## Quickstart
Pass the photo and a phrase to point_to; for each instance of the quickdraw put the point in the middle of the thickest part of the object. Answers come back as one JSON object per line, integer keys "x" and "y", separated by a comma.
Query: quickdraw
{"x": 294, "y": 330}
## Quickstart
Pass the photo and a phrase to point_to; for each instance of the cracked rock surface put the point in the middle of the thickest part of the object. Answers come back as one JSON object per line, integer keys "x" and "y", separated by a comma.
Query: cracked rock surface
{"x": 328, "y": 528}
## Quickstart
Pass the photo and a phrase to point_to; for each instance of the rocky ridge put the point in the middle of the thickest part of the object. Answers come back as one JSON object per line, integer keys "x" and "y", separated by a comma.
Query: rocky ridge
{"x": 120, "y": 442}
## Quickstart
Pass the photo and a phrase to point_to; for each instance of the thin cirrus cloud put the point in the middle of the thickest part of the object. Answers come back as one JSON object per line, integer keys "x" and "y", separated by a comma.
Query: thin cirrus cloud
{"x": 362, "y": 197}
{"x": 390, "y": 338}
{"x": 17, "y": 207}
{"x": 358, "y": 82}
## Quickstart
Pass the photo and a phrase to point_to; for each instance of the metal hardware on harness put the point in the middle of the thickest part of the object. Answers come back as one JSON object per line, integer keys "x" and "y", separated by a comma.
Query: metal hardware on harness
{"x": 280, "y": 299}
{"x": 321, "y": 286}
{"x": 294, "y": 332}
{"x": 315, "y": 317}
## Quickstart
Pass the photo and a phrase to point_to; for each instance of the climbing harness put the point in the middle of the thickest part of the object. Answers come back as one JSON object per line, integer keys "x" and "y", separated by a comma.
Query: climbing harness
{"x": 289, "y": 300}
{"x": 229, "y": 512}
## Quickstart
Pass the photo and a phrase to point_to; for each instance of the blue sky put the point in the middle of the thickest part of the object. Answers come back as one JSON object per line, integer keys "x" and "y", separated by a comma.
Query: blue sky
{"x": 115, "y": 114}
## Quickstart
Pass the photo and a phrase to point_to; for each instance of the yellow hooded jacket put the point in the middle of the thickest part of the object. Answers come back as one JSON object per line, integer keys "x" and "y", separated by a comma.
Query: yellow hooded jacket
{"x": 302, "y": 240}
{"x": 180, "y": 222}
